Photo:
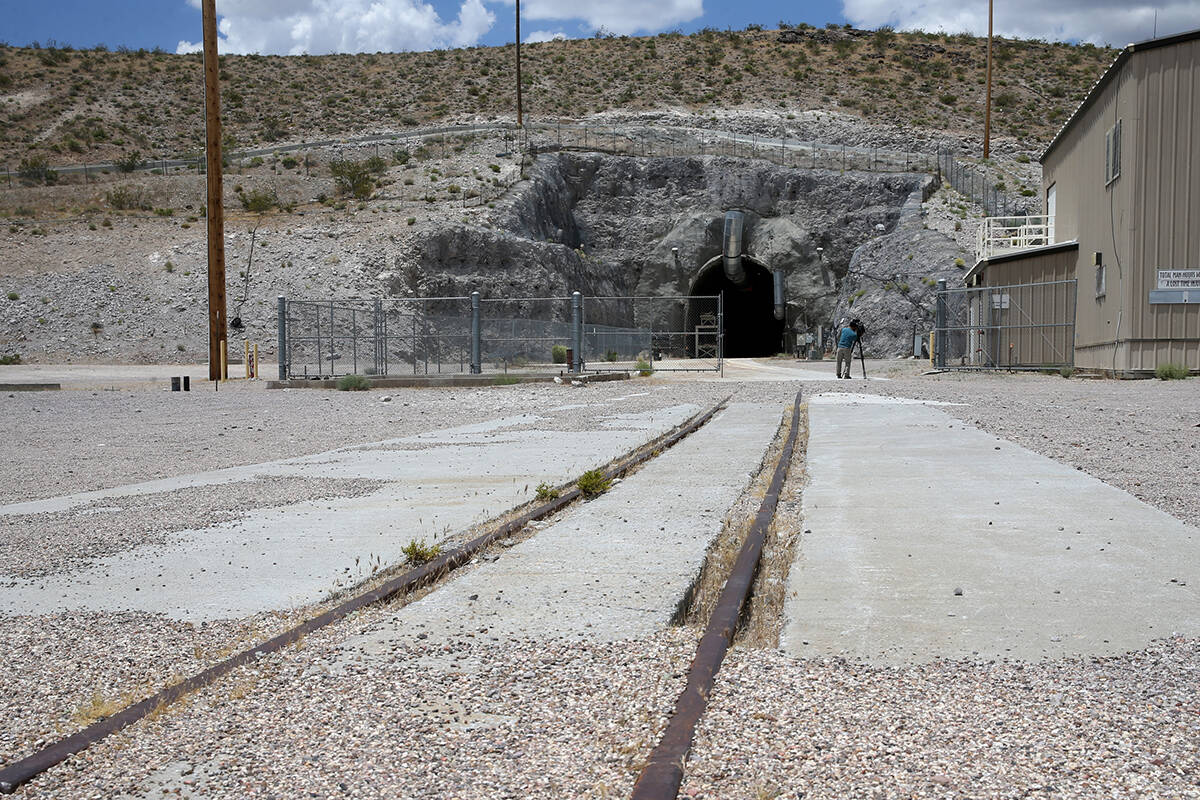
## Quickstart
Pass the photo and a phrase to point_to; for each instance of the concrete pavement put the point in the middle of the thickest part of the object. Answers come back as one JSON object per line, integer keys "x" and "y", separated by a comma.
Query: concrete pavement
{"x": 926, "y": 538}
{"x": 612, "y": 568}
{"x": 278, "y": 558}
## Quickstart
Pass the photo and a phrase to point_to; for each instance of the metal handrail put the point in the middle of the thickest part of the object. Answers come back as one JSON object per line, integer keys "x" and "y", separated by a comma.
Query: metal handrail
{"x": 998, "y": 235}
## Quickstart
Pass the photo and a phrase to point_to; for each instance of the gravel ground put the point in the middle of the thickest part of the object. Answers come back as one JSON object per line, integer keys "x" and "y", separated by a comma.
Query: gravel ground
{"x": 1112, "y": 727}
{"x": 44, "y": 544}
{"x": 551, "y": 719}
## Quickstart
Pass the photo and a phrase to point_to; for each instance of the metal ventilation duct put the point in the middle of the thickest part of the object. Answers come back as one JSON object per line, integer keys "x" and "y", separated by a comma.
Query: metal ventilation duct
{"x": 732, "y": 250}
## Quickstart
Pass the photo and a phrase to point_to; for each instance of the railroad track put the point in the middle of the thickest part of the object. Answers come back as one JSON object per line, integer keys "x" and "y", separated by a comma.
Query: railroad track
{"x": 18, "y": 773}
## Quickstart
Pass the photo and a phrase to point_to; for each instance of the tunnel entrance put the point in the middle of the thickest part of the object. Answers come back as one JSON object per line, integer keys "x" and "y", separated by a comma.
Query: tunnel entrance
{"x": 750, "y": 325}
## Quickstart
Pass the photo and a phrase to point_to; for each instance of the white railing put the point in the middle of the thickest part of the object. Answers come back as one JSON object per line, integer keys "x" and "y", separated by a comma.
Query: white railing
{"x": 999, "y": 235}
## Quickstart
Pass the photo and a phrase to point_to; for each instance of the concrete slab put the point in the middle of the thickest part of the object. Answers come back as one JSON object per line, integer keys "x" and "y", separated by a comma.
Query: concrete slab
{"x": 278, "y": 558}
{"x": 907, "y": 506}
{"x": 611, "y": 568}
{"x": 780, "y": 369}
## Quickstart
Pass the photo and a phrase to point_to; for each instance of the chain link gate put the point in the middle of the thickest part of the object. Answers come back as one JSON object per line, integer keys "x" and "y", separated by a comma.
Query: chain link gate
{"x": 1019, "y": 326}
{"x": 660, "y": 334}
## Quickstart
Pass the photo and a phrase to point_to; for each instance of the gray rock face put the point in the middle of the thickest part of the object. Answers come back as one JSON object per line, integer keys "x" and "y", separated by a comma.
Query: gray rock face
{"x": 653, "y": 227}
{"x": 892, "y": 281}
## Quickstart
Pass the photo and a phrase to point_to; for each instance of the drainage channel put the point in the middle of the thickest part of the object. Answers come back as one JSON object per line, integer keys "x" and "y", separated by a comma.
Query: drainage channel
{"x": 17, "y": 774}
{"x": 662, "y": 776}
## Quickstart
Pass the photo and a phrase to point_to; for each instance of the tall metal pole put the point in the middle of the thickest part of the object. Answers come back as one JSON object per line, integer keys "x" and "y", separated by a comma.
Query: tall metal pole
{"x": 519, "y": 119}
{"x": 215, "y": 210}
{"x": 987, "y": 114}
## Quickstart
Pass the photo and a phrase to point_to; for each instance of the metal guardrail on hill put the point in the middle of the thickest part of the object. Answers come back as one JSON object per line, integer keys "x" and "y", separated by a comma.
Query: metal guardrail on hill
{"x": 634, "y": 140}
{"x": 980, "y": 188}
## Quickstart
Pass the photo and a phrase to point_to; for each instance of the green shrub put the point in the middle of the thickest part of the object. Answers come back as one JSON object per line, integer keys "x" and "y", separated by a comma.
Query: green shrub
{"x": 15, "y": 358}
{"x": 352, "y": 177}
{"x": 130, "y": 162}
{"x": 1066, "y": 372}
{"x": 558, "y": 354}
{"x": 416, "y": 552}
{"x": 643, "y": 368}
{"x": 164, "y": 212}
{"x": 505, "y": 380}
{"x": 127, "y": 197}
{"x": 37, "y": 169}
{"x": 353, "y": 383}
{"x": 289, "y": 163}
{"x": 259, "y": 201}
{"x": 14, "y": 296}
{"x": 546, "y": 492}
{"x": 1170, "y": 372}
{"x": 593, "y": 482}
{"x": 610, "y": 356}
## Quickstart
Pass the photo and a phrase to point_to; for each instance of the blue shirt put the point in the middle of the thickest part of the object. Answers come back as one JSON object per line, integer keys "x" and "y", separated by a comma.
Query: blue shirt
{"x": 848, "y": 337}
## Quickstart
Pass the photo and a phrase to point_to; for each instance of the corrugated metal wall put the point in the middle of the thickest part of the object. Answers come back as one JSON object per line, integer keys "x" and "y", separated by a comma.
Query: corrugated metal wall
{"x": 1166, "y": 208}
{"x": 1144, "y": 220}
{"x": 1040, "y": 297}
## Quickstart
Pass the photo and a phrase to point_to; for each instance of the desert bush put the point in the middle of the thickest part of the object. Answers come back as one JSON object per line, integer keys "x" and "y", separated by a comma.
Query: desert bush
{"x": 353, "y": 383}
{"x": 259, "y": 201}
{"x": 416, "y": 552}
{"x": 352, "y": 178}
{"x": 1170, "y": 372}
{"x": 643, "y": 368}
{"x": 128, "y": 197}
{"x": 593, "y": 482}
{"x": 130, "y": 162}
{"x": 558, "y": 354}
{"x": 37, "y": 169}
{"x": 14, "y": 358}
{"x": 546, "y": 492}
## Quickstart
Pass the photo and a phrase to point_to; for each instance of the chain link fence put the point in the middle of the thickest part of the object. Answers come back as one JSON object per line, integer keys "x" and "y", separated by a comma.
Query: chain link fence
{"x": 980, "y": 188}
{"x": 1017, "y": 327}
{"x": 451, "y": 335}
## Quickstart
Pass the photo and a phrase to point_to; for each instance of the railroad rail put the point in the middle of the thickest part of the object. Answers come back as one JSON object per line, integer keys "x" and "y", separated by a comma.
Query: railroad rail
{"x": 660, "y": 779}
{"x": 21, "y": 772}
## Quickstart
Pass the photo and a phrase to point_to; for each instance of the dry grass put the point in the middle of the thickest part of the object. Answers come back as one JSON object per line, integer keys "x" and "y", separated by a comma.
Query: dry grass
{"x": 76, "y": 106}
{"x": 700, "y": 601}
{"x": 762, "y": 618}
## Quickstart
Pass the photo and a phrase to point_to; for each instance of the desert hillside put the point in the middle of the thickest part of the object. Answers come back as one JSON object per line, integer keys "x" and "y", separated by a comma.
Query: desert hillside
{"x": 73, "y": 106}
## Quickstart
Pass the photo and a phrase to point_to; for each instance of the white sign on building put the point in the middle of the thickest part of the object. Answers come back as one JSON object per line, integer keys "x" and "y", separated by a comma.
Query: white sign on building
{"x": 1179, "y": 279}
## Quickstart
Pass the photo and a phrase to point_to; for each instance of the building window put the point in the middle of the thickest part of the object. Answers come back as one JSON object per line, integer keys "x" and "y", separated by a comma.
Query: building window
{"x": 1100, "y": 290}
{"x": 1112, "y": 153}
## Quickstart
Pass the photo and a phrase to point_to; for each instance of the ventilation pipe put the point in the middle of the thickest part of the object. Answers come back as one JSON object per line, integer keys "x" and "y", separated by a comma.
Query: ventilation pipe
{"x": 734, "y": 220}
{"x": 780, "y": 310}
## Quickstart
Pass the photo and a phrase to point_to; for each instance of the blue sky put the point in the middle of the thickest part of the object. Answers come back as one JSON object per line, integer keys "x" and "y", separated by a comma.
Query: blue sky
{"x": 318, "y": 26}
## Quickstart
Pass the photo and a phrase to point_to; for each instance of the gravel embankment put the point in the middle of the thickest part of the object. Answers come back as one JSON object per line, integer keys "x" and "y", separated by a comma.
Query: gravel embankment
{"x": 554, "y": 719}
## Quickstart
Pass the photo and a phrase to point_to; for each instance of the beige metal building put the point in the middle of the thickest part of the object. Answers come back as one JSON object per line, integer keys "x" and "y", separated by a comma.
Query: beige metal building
{"x": 1121, "y": 183}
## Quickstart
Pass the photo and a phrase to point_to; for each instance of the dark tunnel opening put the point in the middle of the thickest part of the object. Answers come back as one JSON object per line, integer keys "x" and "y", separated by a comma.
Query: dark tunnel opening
{"x": 750, "y": 325}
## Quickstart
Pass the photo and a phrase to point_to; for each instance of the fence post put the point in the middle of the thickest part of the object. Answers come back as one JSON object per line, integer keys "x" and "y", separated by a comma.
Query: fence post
{"x": 577, "y": 329}
{"x": 721, "y": 332}
{"x": 377, "y": 335}
{"x": 282, "y": 322}
{"x": 939, "y": 341}
{"x": 476, "y": 359}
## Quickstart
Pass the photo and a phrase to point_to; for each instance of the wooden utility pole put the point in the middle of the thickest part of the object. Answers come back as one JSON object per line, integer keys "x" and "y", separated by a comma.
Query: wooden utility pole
{"x": 519, "y": 122}
{"x": 987, "y": 113}
{"x": 215, "y": 211}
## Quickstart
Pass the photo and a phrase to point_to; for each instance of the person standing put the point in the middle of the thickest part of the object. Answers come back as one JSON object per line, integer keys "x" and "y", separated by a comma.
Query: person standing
{"x": 847, "y": 336}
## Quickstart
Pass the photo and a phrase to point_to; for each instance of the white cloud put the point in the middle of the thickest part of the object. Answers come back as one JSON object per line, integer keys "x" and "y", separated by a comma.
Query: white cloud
{"x": 294, "y": 27}
{"x": 545, "y": 36}
{"x": 1115, "y": 22}
{"x": 616, "y": 16}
